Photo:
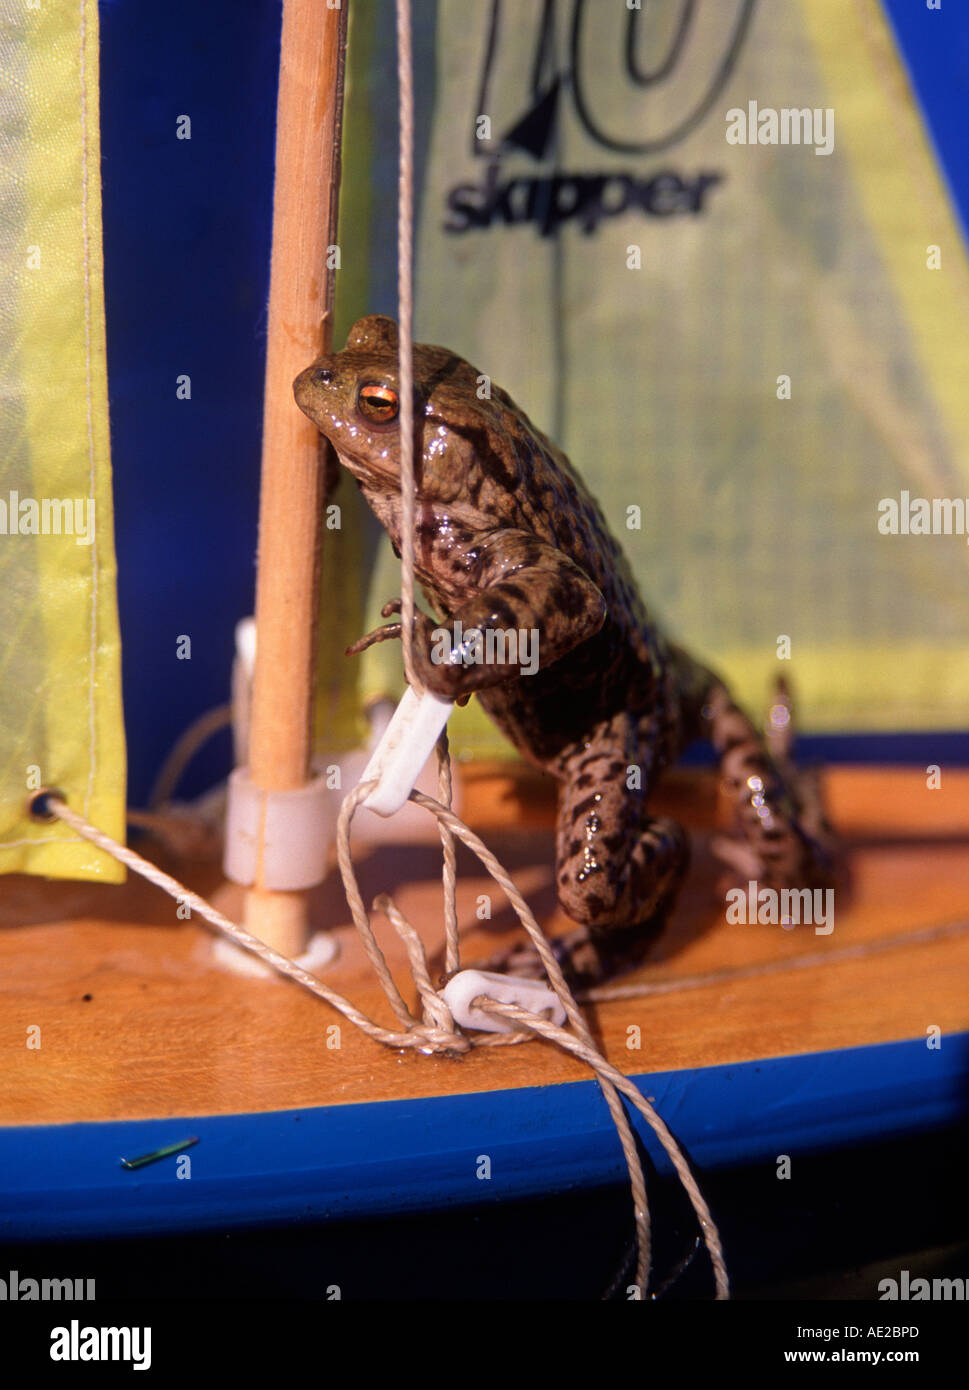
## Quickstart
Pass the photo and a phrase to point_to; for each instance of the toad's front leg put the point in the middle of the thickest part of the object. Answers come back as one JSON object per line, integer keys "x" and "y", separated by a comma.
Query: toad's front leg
{"x": 527, "y": 605}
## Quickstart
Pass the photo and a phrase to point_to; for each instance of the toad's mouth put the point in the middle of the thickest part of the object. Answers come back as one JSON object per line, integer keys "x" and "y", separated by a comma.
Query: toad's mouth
{"x": 382, "y": 486}
{"x": 370, "y": 477}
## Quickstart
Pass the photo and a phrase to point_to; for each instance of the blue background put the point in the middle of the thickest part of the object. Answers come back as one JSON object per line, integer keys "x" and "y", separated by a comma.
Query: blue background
{"x": 187, "y": 240}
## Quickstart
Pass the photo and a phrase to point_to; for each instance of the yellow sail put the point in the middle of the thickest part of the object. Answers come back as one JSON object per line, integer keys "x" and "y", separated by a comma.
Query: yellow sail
{"x": 60, "y": 690}
{"x": 752, "y": 350}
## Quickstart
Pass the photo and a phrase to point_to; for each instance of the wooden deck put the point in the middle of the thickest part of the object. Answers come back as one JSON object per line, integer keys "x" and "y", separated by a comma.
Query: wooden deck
{"x": 137, "y": 1022}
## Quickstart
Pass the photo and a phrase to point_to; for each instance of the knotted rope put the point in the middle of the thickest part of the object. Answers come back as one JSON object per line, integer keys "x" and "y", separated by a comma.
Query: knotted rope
{"x": 436, "y": 1031}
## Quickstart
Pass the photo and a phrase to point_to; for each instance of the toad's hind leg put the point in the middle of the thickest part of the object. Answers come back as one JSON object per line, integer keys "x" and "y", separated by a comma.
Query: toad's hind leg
{"x": 617, "y": 867}
{"x": 786, "y": 840}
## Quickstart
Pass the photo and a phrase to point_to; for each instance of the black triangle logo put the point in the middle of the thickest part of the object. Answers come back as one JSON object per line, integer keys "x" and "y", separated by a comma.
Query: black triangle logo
{"x": 533, "y": 132}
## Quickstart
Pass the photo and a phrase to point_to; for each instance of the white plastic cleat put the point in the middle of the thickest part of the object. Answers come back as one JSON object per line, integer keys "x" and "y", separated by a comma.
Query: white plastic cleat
{"x": 407, "y": 743}
{"x": 532, "y": 995}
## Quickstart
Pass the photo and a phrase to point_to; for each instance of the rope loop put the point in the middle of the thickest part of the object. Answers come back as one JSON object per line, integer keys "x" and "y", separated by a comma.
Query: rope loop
{"x": 435, "y": 1032}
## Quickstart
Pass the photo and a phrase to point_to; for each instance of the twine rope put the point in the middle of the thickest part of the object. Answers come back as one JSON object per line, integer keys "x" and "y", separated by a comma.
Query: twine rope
{"x": 448, "y": 823}
{"x": 809, "y": 960}
{"x": 436, "y": 1031}
{"x": 195, "y": 736}
{"x": 405, "y": 314}
{"x": 405, "y": 350}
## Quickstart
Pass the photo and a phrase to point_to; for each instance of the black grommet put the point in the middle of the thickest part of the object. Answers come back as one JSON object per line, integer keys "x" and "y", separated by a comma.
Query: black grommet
{"x": 38, "y": 806}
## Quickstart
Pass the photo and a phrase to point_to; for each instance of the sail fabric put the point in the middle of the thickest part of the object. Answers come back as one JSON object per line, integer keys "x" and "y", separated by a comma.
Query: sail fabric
{"x": 709, "y": 249}
{"x": 60, "y": 689}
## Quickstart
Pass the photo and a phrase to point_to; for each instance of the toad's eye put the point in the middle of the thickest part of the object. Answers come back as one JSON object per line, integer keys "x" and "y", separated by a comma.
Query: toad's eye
{"x": 378, "y": 403}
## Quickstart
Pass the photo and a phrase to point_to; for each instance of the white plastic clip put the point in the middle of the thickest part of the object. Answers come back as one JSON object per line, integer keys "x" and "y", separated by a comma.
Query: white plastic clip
{"x": 466, "y": 985}
{"x": 407, "y": 743}
{"x": 295, "y": 827}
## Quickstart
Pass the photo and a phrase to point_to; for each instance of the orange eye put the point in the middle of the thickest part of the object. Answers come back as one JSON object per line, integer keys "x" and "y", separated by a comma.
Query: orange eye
{"x": 378, "y": 403}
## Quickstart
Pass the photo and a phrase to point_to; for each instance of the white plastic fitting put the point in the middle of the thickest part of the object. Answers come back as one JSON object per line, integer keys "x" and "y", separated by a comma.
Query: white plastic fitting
{"x": 320, "y": 952}
{"x": 466, "y": 985}
{"x": 242, "y": 671}
{"x": 407, "y": 743}
{"x": 297, "y": 832}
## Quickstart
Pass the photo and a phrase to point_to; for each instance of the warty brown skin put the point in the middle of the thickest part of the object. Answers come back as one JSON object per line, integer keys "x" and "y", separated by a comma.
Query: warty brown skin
{"x": 509, "y": 538}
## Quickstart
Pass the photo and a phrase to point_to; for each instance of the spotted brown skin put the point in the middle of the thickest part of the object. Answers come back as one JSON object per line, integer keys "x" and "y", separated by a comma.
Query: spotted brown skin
{"x": 509, "y": 538}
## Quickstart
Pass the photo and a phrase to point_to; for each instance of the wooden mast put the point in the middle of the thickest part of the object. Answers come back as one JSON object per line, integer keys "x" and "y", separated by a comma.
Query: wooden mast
{"x": 308, "y": 128}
